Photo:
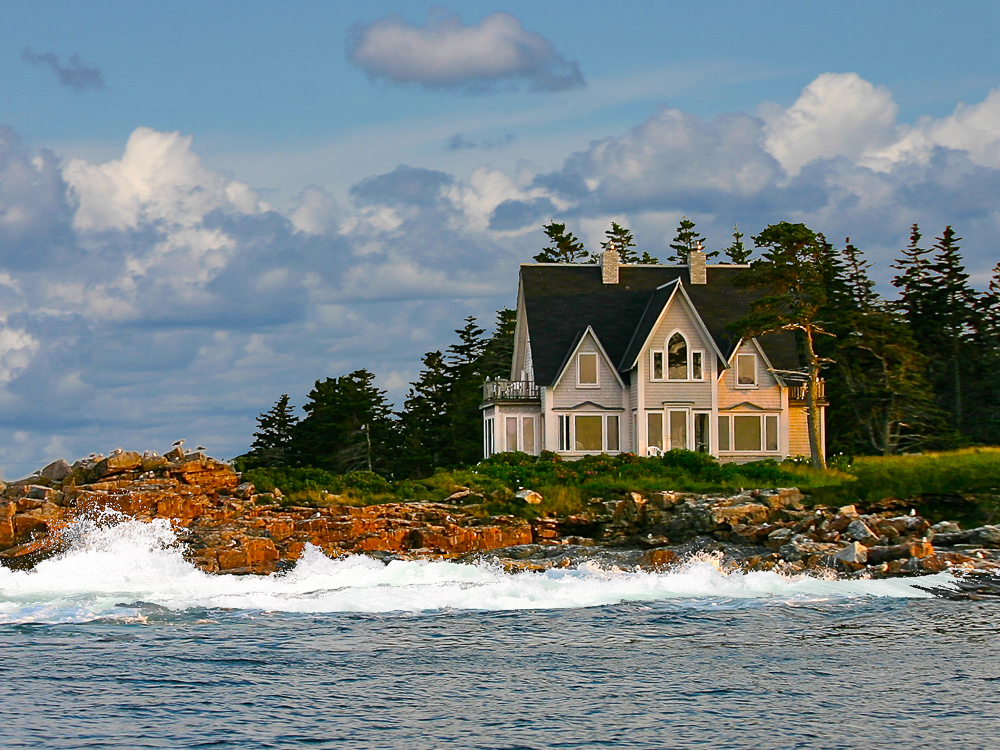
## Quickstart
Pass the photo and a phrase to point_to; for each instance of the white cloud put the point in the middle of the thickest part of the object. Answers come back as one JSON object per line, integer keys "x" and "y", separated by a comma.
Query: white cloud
{"x": 158, "y": 179}
{"x": 838, "y": 114}
{"x": 444, "y": 53}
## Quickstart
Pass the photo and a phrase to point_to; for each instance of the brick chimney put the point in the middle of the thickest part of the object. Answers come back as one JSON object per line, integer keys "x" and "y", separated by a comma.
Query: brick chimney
{"x": 696, "y": 266}
{"x": 609, "y": 265}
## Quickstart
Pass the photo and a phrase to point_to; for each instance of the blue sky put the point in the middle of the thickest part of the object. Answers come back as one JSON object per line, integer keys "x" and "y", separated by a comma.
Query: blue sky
{"x": 206, "y": 205}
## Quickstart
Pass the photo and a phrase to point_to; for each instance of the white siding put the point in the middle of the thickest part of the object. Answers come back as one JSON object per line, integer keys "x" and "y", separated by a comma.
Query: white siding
{"x": 609, "y": 393}
{"x": 696, "y": 394}
{"x": 767, "y": 393}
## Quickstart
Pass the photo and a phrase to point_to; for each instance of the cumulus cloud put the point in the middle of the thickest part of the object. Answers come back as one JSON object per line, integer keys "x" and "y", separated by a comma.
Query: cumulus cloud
{"x": 446, "y": 54}
{"x": 836, "y": 115}
{"x": 149, "y": 298}
{"x": 75, "y": 74}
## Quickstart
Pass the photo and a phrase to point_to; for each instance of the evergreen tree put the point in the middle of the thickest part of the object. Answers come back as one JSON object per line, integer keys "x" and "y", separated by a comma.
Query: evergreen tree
{"x": 464, "y": 362}
{"x": 792, "y": 274}
{"x": 563, "y": 247}
{"x": 948, "y": 333}
{"x": 623, "y": 242}
{"x": 348, "y": 426}
{"x": 687, "y": 239}
{"x": 737, "y": 253}
{"x": 499, "y": 349}
{"x": 880, "y": 400}
{"x": 916, "y": 292}
{"x": 425, "y": 420}
{"x": 273, "y": 436}
{"x": 986, "y": 354}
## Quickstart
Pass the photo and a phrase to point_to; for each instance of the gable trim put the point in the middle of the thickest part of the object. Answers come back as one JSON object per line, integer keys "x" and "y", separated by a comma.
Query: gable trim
{"x": 702, "y": 328}
{"x": 575, "y": 350}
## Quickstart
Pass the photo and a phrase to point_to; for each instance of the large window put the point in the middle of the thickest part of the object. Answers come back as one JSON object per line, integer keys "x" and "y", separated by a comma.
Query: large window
{"x": 678, "y": 429}
{"x": 746, "y": 370}
{"x": 528, "y": 435}
{"x": 586, "y": 370}
{"x": 654, "y": 429}
{"x": 748, "y": 433}
{"x": 677, "y": 358}
{"x": 589, "y": 433}
{"x": 519, "y": 434}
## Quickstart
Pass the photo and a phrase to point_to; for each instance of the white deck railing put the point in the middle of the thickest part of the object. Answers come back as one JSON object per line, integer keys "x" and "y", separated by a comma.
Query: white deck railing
{"x": 510, "y": 390}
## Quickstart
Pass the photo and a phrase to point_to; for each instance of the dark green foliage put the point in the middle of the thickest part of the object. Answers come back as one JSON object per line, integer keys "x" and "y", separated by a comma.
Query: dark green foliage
{"x": 348, "y": 427}
{"x": 623, "y": 242}
{"x": 563, "y": 247}
{"x": 273, "y": 436}
{"x": 686, "y": 240}
{"x": 794, "y": 276}
{"x": 737, "y": 252}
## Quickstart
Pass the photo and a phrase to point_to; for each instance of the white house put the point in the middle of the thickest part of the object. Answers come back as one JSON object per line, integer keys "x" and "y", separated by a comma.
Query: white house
{"x": 612, "y": 358}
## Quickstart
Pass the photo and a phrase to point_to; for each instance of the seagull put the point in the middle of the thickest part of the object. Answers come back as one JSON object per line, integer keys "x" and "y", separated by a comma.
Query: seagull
{"x": 116, "y": 451}
{"x": 178, "y": 443}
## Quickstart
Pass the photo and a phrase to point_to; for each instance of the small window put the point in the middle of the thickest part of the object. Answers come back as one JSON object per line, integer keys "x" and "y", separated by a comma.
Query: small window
{"x": 656, "y": 366}
{"x": 724, "y": 433}
{"x": 746, "y": 433}
{"x": 488, "y": 437}
{"x": 563, "y": 432}
{"x": 586, "y": 371}
{"x": 678, "y": 429}
{"x": 654, "y": 429}
{"x": 511, "y": 423}
{"x": 771, "y": 432}
{"x": 612, "y": 440}
{"x": 677, "y": 358}
{"x": 696, "y": 370}
{"x": 746, "y": 370}
{"x": 588, "y": 432}
{"x": 702, "y": 440}
{"x": 528, "y": 435}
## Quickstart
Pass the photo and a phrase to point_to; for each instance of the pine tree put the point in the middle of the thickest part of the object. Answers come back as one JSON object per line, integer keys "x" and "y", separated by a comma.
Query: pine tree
{"x": 465, "y": 367}
{"x": 792, "y": 274}
{"x": 687, "y": 239}
{"x": 273, "y": 436}
{"x": 348, "y": 426}
{"x": 563, "y": 247}
{"x": 916, "y": 293}
{"x": 949, "y": 332}
{"x": 425, "y": 420}
{"x": 737, "y": 253}
{"x": 623, "y": 241}
{"x": 880, "y": 400}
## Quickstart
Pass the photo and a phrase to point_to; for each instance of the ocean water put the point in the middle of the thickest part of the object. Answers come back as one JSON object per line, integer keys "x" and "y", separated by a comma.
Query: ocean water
{"x": 120, "y": 643}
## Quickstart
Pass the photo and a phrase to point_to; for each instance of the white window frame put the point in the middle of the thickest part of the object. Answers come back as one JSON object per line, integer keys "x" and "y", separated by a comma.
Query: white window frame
{"x": 736, "y": 375}
{"x": 567, "y": 432}
{"x": 687, "y": 358}
{"x": 488, "y": 437}
{"x": 597, "y": 370}
{"x": 701, "y": 355}
{"x": 652, "y": 366}
{"x": 520, "y": 432}
{"x": 667, "y": 424}
{"x": 762, "y": 419}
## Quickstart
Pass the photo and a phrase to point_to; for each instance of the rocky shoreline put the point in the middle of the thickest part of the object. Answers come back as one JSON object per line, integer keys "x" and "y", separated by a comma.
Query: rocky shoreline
{"x": 228, "y": 527}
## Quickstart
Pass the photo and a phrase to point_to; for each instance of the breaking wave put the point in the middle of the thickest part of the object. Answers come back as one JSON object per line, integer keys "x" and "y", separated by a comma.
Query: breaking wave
{"x": 113, "y": 571}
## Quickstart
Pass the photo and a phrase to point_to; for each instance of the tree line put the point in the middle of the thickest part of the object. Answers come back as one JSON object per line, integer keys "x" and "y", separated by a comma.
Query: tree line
{"x": 913, "y": 373}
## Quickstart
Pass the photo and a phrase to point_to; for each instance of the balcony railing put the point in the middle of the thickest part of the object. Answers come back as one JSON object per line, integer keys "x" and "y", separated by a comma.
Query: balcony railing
{"x": 510, "y": 390}
{"x": 798, "y": 392}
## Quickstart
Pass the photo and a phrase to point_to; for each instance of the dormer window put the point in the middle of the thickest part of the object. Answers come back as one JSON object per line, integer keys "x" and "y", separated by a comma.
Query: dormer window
{"x": 746, "y": 370}
{"x": 586, "y": 370}
{"x": 677, "y": 358}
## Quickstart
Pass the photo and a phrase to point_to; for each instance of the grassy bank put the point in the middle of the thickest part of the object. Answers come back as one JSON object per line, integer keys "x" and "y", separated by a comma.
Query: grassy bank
{"x": 934, "y": 481}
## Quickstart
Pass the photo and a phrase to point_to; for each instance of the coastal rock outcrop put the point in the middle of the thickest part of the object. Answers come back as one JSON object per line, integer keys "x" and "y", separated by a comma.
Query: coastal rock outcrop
{"x": 227, "y": 526}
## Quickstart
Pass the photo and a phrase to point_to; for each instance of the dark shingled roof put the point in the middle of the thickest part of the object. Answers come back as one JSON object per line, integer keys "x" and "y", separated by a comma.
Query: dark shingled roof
{"x": 561, "y": 300}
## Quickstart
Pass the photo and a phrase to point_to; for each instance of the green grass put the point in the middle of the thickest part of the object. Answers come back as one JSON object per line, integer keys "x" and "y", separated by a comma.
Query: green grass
{"x": 568, "y": 486}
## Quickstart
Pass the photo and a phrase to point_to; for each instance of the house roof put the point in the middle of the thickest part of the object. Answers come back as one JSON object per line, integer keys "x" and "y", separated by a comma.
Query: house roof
{"x": 562, "y": 300}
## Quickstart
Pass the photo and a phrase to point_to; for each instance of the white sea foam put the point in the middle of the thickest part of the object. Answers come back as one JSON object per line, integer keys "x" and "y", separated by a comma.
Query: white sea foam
{"x": 131, "y": 561}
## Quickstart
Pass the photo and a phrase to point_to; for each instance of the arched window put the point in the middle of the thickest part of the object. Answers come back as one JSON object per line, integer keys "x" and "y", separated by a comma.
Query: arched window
{"x": 677, "y": 358}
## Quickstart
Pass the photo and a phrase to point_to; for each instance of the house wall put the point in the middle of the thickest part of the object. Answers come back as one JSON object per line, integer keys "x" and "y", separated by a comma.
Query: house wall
{"x": 767, "y": 394}
{"x": 698, "y": 394}
{"x": 798, "y": 431}
{"x": 566, "y": 394}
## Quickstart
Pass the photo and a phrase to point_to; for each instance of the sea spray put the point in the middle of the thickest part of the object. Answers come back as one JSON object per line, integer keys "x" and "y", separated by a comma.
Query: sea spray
{"x": 112, "y": 561}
